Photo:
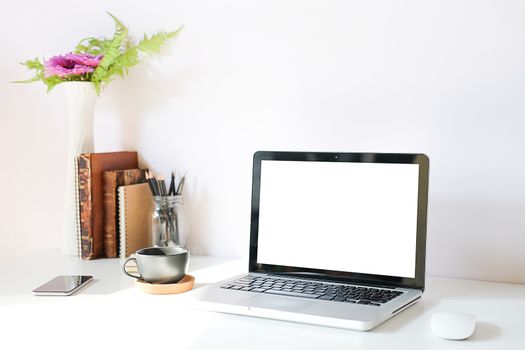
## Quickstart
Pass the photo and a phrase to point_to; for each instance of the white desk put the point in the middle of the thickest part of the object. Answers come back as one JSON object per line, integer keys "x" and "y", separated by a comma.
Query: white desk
{"x": 113, "y": 314}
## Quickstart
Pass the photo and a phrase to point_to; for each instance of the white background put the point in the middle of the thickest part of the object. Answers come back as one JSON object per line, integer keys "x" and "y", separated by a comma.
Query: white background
{"x": 352, "y": 217}
{"x": 446, "y": 78}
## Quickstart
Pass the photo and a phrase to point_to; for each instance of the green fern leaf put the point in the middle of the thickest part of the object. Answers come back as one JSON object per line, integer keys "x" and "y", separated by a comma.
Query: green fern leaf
{"x": 92, "y": 46}
{"x": 80, "y": 47}
{"x": 111, "y": 49}
{"x": 156, "y": 41}
{"x": 97, "y": 87}
{"x": 120, "y": 27}
{"x": 111, "y": 53}
{"x": 37, "y": 66}
{"x": 128, "y": 59}
{"x": 35, "y": 78}
{"x": 34, "y": 64}
{"x": 51, "y": 82}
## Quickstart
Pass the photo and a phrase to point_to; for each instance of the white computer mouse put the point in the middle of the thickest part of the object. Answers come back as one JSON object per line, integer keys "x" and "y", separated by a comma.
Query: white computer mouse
{"x": 453, "y": 325}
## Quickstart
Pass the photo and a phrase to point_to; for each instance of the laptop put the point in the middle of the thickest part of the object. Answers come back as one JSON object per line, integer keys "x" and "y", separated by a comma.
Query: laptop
{"x": 337, "y": 239}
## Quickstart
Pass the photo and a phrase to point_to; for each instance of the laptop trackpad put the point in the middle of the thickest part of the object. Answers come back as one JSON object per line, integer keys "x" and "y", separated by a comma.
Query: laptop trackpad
{"x": 282, "y": 303}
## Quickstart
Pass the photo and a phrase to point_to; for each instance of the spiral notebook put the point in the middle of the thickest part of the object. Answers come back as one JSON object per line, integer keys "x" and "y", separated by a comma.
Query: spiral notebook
{"x": 135, "y": 204}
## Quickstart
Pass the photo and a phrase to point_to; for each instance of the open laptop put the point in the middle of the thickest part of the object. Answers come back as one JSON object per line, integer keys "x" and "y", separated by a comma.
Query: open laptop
{"x": 337, "y": 239}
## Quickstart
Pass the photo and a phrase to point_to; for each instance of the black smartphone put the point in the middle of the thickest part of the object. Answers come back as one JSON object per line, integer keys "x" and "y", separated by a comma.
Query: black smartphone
{"x": 63, "y": 285}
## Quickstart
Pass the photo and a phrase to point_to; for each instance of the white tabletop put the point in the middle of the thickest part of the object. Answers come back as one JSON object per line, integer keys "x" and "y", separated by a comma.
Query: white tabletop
{"x": 112, "y": 313}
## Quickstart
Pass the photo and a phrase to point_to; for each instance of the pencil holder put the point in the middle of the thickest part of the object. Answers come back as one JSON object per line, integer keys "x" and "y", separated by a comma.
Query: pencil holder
{"x": 168, "y": 222}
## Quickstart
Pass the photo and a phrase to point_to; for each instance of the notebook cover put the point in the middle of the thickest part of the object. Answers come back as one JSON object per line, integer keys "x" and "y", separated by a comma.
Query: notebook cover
{"x": 90, "y": 168}
{"x": 135, "y": 208}
{"x": 111, "y": 180}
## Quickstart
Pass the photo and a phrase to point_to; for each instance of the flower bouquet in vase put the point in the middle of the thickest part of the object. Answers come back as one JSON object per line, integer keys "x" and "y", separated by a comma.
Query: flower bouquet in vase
{"x": 92, "y": 64}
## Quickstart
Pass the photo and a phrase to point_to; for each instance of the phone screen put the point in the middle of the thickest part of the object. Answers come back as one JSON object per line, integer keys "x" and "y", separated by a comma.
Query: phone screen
{"x": 62, "y": 285}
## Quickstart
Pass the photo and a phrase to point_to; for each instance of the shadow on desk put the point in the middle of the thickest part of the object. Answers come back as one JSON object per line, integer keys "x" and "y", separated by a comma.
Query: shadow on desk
{"x": 485, "y": 331}
{"x": 27, "y": 272}
{"x": 405, "y": 318}
{"x": 422, "y": 311}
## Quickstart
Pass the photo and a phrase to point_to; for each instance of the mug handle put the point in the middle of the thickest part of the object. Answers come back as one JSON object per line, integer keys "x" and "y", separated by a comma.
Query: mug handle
{"x": 126, "y": 272}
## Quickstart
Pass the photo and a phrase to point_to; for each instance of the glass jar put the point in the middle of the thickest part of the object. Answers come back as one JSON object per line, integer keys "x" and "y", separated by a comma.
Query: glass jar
{"x": 168, "y": 222}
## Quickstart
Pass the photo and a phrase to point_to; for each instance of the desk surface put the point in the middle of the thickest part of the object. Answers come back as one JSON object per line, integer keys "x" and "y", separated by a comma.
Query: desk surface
{"x": 112, "y": 313}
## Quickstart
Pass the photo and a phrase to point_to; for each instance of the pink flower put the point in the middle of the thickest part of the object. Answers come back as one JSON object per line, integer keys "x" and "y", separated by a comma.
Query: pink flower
{"x": 71, "y": 64}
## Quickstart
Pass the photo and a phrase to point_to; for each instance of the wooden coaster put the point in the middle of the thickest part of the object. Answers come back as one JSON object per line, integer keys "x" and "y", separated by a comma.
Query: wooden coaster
{"x": 184, "y": 285}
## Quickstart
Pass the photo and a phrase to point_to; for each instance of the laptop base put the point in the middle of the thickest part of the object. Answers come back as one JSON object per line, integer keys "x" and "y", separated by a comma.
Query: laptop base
{"x": 301, "y": 310}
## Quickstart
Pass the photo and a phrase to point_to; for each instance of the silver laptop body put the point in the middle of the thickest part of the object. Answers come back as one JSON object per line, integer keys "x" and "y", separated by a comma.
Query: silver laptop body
{"x": 337, "y": 239}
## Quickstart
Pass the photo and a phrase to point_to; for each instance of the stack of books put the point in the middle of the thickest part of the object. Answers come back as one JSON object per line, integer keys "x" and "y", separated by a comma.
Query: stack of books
{"x": 114, "y": 205}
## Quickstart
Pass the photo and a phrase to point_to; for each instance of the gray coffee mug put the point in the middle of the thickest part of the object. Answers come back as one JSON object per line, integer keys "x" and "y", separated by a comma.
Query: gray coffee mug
{"x": 160, "y": 264}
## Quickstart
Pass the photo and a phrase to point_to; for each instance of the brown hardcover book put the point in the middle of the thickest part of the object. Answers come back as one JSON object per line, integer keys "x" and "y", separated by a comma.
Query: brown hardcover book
{"x": 111, "y": 180}
{"x": 90, "y": 168}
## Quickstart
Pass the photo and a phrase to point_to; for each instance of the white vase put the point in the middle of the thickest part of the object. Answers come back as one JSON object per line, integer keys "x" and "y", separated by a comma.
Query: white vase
{"x": 81, "y": 98}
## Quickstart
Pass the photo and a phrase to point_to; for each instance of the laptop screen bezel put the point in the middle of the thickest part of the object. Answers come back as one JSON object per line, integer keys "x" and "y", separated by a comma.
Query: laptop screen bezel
{"x": 418, "y": 282}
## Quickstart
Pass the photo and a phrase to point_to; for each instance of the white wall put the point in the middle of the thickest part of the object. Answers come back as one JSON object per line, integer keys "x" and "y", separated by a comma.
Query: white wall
{"x": 442, "y": 77}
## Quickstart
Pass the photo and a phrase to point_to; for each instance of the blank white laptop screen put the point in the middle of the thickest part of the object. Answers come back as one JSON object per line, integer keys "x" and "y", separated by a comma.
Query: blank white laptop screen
{"x": 340, "y": 216}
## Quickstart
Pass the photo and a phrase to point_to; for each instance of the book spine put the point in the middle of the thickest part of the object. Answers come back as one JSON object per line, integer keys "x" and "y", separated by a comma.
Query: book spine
{"x": 78, "y": 232}
{"x": 86, "y": 206}
{"x": 110, "y": 184}
{"x": 122, "y": 221}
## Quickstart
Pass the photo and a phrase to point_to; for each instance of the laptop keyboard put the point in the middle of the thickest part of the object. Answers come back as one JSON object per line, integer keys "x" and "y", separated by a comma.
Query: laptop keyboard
{"x": 313, "y": 290}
